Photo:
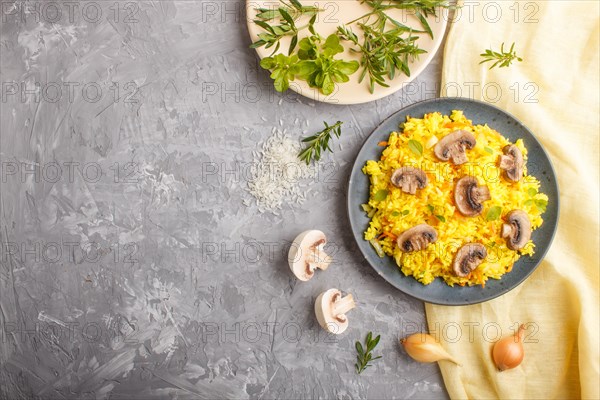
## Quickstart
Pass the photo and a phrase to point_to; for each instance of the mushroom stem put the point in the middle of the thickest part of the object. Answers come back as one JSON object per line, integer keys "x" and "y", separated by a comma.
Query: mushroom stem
{"x": 343, "y": 304}
{"x": 318, "y": 259}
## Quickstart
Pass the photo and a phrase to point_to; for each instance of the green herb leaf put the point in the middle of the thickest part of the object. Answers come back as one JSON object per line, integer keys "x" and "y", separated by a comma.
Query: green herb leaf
{"x": 286, "y": 16}
{"x": 364, "y": 357}
{"x": 541, "y": 204}
{"x": 405, "y": 212}
{"x": 430, "y": 208}
{"x": 293, "y": 44}
{"x": 441, "y": 218}
{"x": 283, "y": 70}
{"x": 493, "y": 213}
{"x": 488, "y": 150}
{"x": 532, "y": 192}
{"x": 395, "y": 214}
{"x": 359, "y": 349}
{"x": 381, "y": 195}
{"x": 415, "y": 147}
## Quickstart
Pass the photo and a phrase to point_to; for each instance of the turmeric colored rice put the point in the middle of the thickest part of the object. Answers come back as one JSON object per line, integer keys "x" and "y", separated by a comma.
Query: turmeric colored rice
{"x": 392, "y": 211}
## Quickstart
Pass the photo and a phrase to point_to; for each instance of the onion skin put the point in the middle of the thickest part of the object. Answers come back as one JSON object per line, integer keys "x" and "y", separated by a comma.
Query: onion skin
{"x": 508, "y": 353}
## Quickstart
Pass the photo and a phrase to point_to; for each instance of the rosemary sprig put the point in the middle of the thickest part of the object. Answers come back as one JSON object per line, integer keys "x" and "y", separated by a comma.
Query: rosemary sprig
{"x": 365, "y": 356}
{"x": 319, "y": 142}
{"x": 284, "y": 19}
{"x": 502, "y": 58}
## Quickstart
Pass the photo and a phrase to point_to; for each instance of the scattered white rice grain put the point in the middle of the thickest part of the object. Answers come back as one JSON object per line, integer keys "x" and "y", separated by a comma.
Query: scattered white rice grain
{"x": 276, "y": 173}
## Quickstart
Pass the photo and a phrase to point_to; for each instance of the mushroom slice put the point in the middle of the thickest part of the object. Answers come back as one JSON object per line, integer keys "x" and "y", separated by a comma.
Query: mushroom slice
{"x": 306, "y": 254}
{"x": 468, "y": 258}
{"x": 469, "y": 196}
{"x": 517, "y": 229}
{"x": 416, "y": 238}
{"x": 409, "y": 179}
{"x": 331, "y": 308}
{"x": 512, "y": 163}
{"x": 454, "y": 145}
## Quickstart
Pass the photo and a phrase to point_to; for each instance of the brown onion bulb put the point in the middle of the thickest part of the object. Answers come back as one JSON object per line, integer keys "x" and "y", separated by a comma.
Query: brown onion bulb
{"x": 508, "y": 352}
{"x": 424, "y": 348}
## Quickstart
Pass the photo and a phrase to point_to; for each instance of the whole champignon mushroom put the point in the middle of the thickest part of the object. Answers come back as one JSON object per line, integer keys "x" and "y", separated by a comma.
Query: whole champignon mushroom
{"x": 409, "y": 179}
{"x": 512, "y": 163}
{"x": 517, "y": 229}
{"x": 453, "y": 146}
{"x": 331, "y": 308}
{"x": 469, "y": 196}
{"x": 306, "y": 254}
{"x": 416, "y": 238}
{"x": 468, "y": 257}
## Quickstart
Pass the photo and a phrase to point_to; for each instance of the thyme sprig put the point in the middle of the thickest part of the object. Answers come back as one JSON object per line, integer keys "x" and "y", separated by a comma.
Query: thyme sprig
{"x": 319, "y": 142}
{"x": 365, "y": 356}
{"x": 502, "y": 58}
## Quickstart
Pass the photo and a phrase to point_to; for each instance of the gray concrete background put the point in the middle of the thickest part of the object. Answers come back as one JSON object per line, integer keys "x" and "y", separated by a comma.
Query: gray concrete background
{"x": 130, "y": 267}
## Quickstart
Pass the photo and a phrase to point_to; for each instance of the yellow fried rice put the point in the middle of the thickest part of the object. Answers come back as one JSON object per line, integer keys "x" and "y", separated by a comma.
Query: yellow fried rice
{"x": 392, "y": 211}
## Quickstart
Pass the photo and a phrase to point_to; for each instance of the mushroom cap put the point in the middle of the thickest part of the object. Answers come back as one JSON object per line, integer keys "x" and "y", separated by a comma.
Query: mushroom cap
{"x": 325, "y": 311}
{"x": 453, "y": 146}
{"x": 469, "y": 196}
{"x": 409, "y": 179}
{"x": 517, "y": 230}
{"x": 307, "y": 249}
{"x": 468, "y": 257}
{"x": 512, "y": 163}
{"x": 416, "y": 238}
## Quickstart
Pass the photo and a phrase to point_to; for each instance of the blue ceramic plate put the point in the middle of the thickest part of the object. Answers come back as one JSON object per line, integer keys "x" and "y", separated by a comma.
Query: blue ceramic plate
{"x": 438, "y": 292}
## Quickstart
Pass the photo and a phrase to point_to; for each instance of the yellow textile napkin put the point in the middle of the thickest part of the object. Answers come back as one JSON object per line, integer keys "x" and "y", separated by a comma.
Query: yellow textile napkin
{"x": 555, "y": 92}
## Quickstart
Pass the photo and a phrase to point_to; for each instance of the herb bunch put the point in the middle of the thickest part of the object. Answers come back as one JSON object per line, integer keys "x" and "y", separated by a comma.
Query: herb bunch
{"x": 364, "y": 356}
{"x": 319, "y": 142}
{"x": 313, "y": 63}
{"x": 284, "y": 19}
{"x": 389, "y": 46}
{"x": 383, "y": 52}
{"x": 502, "y": 58}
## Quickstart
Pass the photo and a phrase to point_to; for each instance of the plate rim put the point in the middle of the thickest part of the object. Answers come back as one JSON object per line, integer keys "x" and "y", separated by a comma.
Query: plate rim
{"x": 358, "y": 169}
{"x": 316, "y": 95}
